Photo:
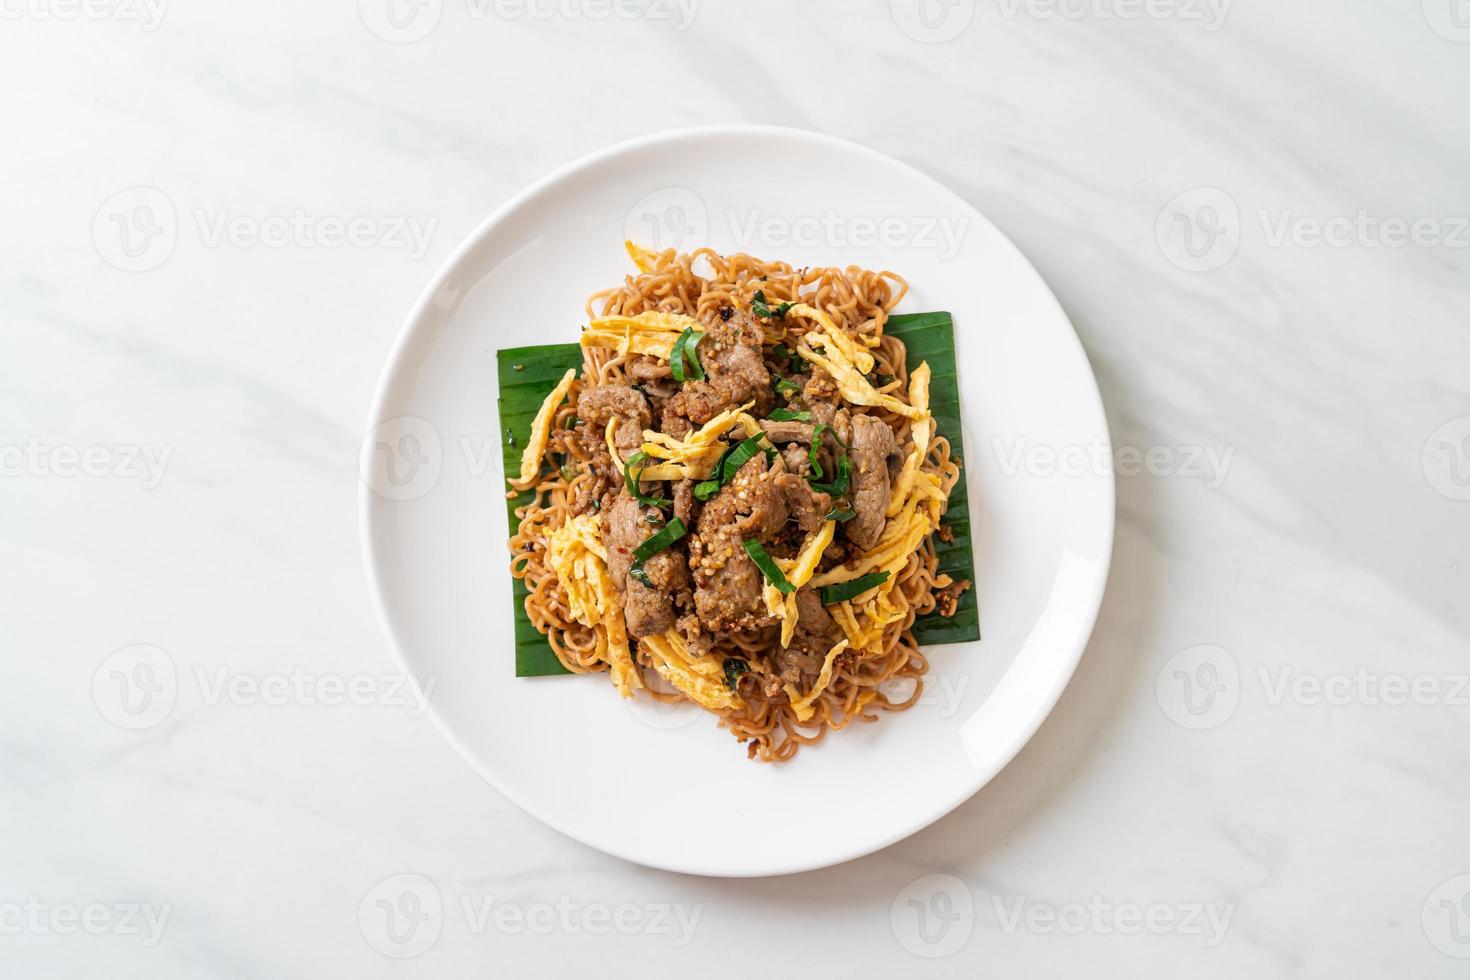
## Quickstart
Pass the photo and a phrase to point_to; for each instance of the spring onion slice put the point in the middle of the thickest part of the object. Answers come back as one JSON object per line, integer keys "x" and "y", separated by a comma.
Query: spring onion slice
{"x": 811, "y": 453}
{"x": 764, "y": 310}
{"x": 838, "y": 486}
{"x": 658, "y": 541}
{"x": 684, "y": 351}
{"x": 727, "y": 467}
{"x": 840, "y": 516}
{"x": 851, "y": 590}
{"x": 768, "y": 567}
{"x": 734, "y": 667}
{"x": 788, "y": 415}
{"x": 630, "y": 480}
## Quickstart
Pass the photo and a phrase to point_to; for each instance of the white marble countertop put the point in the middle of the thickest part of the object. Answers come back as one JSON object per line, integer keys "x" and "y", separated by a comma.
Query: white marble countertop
{"x": 1260, "y": 769}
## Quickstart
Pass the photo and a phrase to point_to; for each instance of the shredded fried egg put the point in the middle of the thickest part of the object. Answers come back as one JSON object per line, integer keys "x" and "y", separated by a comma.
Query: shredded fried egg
{"x": 576, "y": 552}
{"x": 541, "y": 432}
{"x": 702, "y": 679}
{"x": 650, "y": 333}
{"x": 798, "y": 572}
{"x": 802, "y": 705}
{"x": 844, "y": 360}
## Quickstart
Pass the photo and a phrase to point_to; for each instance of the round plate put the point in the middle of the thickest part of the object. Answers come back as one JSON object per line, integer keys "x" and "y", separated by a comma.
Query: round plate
{"x": 666, "y": 787}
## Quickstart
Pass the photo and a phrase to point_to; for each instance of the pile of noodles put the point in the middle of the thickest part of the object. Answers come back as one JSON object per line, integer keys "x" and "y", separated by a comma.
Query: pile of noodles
{"x": 700, "y": 284}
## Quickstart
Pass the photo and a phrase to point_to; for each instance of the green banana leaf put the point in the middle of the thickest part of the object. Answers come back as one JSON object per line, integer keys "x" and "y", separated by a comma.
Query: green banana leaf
{"x": 527, "y": 374}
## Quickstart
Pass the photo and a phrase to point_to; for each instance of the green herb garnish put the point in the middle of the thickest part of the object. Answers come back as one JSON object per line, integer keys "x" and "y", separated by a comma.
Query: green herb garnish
{"x": 683, "y": 353}
{"x": 631, "y": 481}
{"x": 785, "y": 387}
{"x": 788, "y": 415}
{"x": 768, "y": 567}
{"x": 639, "y": 574}
{"x": 764, "y": 310}
{"x": 838, "y": 486}
{"x": 853, "y": 589}
{"x": 839, "y": 515}
{"x": 729, "y": 464}
{"x": 734, "y": 667}
{"x": 658, "y": 541}
{"x": 568, "y": 472}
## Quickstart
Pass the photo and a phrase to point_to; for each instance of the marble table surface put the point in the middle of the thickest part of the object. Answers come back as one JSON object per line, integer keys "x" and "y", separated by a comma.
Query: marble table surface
{"x": 216, "y": 216}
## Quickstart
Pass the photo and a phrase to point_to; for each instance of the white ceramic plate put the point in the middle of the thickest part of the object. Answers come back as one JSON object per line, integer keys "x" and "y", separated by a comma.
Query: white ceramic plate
{"x": 664, "y": 787}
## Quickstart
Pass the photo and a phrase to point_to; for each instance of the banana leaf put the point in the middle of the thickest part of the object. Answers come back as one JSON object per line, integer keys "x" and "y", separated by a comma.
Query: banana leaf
{"x": 527, "y": 374}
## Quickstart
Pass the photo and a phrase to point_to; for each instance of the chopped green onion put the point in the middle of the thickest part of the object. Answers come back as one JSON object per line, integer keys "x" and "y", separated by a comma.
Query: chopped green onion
{"x": 762, "y": 309}
{"x": 572, "y": 422}
{"x": 851, "y": 590}
{"x": 639, "y": 574}
{"x": 631, "y": 481}
{"x": 811, "y": 452}
{"x": 788, "y": 415}
{"x": 881, "y": 380}
{"x": 659, "y": 540}
{"x": 684, "y": 352}
{"x": 838, "y": 486}
{"x": 768, "y": 567}
{"x": 727, "y": 467}
{"x": 734, "y": 667}
{"x": 568, "y": 472}
{"x": 839, "y": 515}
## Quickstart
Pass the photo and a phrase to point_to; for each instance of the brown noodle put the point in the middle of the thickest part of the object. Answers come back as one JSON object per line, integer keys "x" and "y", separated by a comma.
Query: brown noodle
{"x": 858, "y": 300}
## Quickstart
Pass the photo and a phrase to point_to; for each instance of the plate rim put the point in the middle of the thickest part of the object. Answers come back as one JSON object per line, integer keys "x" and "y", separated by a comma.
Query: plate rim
{"x": 367, "y": 500}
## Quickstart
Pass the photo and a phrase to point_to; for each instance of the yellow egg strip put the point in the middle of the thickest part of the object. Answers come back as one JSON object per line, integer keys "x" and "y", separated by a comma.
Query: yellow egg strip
{"x": 576, "y": 553}
{"x": 702, "y": 679}
{"x": 798, "y": 572}
{"x": 836, "y": 336}
{"x": 803, "y": 705}
{"x": 541, "y": 432}
{"x": 646, "y": 259}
